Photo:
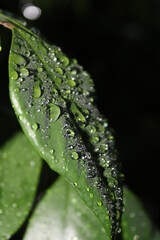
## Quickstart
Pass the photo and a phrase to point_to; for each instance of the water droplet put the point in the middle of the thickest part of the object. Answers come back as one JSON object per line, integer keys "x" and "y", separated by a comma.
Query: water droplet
{"x": 14, "y": 205}
{"x": 78, "y": 115}
{"x": 75, "y": 184}
{"x": 74, "y": 155}
{"x": 107, "y": 217}
{"x": 32, "y": 163}
{"x": 24, "y": 72}
{"x": 99, "y": 204}
{"x": 136, "y": 237}
{"x": 64, "y": 60}
{"x": 14, "y": 75}
{"x": 17, "y": 59}
{"x": 88, "y": 189}
{"x": 54, "y": 90}
{"x": 57, "y": 80}
{"x": 37, "y": 90}
{"x": 74, "y": 61}
{"x": 20, "y": 117}
{"x": 54, "y": 112}
{"x": 132, "y": 215}
{"x": 70, "y": 133}
{"x": 110, "y": 137}
{"x": 59, "y": 70}
{"x": 33, "y": 38}
{"x": 91, "y": 195}
{"x": 71, "y": 83}
{"x": 52, "y": 151}
{"x": 27, "y": 53}
{"x": 39, "y": 69}
{"x": 95, "y": 139}
{"x": 18, "y": 214}
{"x": 104, "y": 147}
{"x": 35, "y": 126}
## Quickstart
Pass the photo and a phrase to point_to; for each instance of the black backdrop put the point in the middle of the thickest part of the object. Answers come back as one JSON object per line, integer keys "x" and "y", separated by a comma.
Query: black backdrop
{"x": 118, "y": 42}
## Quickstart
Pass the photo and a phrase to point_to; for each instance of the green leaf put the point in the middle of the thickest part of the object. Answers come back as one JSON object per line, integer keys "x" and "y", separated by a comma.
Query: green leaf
{"x": 20, "y": 168}
{"x": 136, "y": 223}
{"x": 53, "y": 98}
{"x": 61, "y": 214}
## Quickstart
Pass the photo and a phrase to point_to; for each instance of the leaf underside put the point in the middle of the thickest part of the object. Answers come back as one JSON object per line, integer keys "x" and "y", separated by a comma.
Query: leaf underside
{"x": 53, "y": 98}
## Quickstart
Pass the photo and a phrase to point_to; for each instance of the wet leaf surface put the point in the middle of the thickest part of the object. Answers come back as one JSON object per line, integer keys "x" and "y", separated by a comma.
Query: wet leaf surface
{"x": 54, "y": 100}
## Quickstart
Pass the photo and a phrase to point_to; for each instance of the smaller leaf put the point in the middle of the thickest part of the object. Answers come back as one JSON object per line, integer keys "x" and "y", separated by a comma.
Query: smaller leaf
{"x": 136, "y": 224}
{"x": 20, "y": 168}
{"x": 62, "y": 215}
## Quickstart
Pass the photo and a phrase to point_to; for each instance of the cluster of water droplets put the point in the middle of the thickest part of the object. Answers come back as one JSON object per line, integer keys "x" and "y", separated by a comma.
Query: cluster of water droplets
{"x": 51, "y": 86}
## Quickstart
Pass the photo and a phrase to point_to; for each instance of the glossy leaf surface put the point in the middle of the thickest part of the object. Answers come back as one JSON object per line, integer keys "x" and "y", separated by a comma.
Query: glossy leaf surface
{"x": 53, "y": 98}
{"x": 20, "y": 168}
{"x": 68, "y": 218}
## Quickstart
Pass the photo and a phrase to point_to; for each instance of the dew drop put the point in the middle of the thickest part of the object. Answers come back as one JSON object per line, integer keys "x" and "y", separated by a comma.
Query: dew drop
{"x": 88, "y": 189}
{"x": 54, "y": 112}
{"x": 110, "y": 137}
{"x": 70, "y": 133}
{"x": 99, "y": 204}
{"x": 39, "y": 69}
{"x": 14, "y": 205}
{"x": 71, "y": 83}
{"x": 75, "y": 184}
{"x": 24, "y": 72}
{"x": 78, "y": 115}
{"x": 107, "y": 217}
{"x": 64, "y": 60}
{"x": 132, "y": 215}
{"x": 20, "y": 117}
{"x": 52, "y": 151}
{"x": 59, "y": 70}
{"x": 104, "y": 147}
{"x": 37, "y": 90}
{"x": 91, "y": 195}
{"x": 32, "y": 164}
{"x": 17, "y": 59}
{"x": 35, "y": 126}
{"x": 74, "y": 155}
{"x": 58, "y": 80}
{"x": 14, "y": 75}
{"x": 27, "y": 53}
{"x": 136, "y": 237}
{"x": 95, "y": 139}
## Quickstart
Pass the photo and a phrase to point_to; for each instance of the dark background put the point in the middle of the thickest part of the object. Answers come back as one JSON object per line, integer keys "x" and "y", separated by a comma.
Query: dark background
{"x": 118, "y": 43}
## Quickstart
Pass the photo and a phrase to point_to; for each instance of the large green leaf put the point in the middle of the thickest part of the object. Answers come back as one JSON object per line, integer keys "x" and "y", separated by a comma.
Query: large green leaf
{"x": 62, "y": 215}
{"x": 53, "y": 98}
{"x": 68, "y": 218}
{"x": 136, "y": 223}
{"x": 20, "y": 168}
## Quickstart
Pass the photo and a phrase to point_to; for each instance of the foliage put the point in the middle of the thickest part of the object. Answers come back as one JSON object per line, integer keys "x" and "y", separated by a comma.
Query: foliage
{"x": 54, "y": 101}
